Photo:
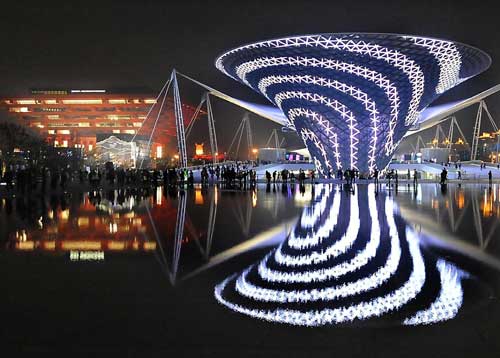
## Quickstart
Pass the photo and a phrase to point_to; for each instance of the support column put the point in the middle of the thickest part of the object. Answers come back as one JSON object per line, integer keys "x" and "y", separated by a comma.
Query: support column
{"x": 211, "y": 131}
{"x": 476, "y": 132}
{"x": 179, "y": 122}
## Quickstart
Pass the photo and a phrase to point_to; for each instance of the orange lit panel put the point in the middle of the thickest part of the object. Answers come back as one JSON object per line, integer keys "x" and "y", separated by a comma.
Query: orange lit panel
{"x": 25, "y": 245}
{"x": 81, "y": 245}
{"x": 49, "y": 245}
{"x": 150, "y": 245}
{"x": 116, "y": 245}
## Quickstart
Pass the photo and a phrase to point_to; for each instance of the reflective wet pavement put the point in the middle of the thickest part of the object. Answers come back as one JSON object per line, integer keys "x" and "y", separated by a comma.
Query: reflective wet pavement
{"x": 211, "y": 271}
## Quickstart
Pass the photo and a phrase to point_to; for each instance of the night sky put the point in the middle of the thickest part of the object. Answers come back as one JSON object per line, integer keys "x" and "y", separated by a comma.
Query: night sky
{"x": 137, "y": 43}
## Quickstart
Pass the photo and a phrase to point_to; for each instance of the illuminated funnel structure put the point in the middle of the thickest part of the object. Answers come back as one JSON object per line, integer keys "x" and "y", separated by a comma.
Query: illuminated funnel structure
{"x": 346, "y": 263}
{"x": 352, "y": 96}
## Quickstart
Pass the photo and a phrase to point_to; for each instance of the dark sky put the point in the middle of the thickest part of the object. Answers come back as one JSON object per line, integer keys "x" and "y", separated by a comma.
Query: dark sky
{"x": 137, "y": 43}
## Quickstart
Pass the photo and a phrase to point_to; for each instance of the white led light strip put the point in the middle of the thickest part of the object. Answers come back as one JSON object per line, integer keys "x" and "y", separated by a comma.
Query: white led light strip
{"x": 361, "y": 259}
{"x": 316, "y": 237}
{"x": 364, "y": 310}
{"x": 337, "y": 248}
{"x": 310, "y": 215}
{"x": 309, "y": 135}
{"x": 338, "y": 107}
{"x": 377, "y": 78}
{"x": 356, "y": 93}
{"x": 449, "y": 301}
{"x": 326, "y": 127}
{"x": 328, "y": 293}
{"x": 448, "y": 57}
{"x": 393, "y": 57}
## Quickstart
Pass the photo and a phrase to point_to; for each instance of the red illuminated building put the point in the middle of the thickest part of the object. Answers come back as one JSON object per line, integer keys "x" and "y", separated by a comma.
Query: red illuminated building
{"x": 78, "y": 118}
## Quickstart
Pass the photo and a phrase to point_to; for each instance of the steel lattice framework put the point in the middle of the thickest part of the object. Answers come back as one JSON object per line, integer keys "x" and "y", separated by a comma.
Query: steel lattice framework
{"x": 352, "y": 96}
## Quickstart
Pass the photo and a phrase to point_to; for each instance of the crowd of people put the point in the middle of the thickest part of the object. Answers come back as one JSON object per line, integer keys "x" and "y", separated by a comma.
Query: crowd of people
{"x": 240, "y": 175}
{"x": 27, "y": 178}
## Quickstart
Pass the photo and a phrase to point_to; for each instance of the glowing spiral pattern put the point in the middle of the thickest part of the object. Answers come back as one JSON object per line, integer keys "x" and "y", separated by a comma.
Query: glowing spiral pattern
{"x": 343, "y": 263}
{"x": 352, "y": 96}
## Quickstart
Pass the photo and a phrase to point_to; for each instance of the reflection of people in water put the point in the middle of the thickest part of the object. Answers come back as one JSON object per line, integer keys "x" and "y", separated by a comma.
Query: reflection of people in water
{"x": 444, "y": 176}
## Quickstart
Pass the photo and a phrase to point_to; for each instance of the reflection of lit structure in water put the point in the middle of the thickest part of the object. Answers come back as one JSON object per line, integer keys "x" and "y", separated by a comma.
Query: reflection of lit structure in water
{"x": 466, "y": 212}
{"x": 143, "y": 221}
{"x": 115, "y": 221}
{"x": 343, "y": 263}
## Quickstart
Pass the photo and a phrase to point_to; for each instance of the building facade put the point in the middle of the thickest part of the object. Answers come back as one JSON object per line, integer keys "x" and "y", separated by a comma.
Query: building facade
{"x": 78, "y": 118}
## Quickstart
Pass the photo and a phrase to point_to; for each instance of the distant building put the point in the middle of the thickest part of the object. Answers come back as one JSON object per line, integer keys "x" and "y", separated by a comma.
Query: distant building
{"x": 76, "y": 117}
{"x": 437, "y": 155}
{"x": 489, "y": 147}
{"x": 272, "y": 155}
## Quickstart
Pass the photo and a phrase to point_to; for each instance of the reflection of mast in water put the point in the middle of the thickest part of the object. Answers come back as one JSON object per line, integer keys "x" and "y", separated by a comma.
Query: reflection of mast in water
{"x": 211, "y": 221}
{"x": 456, "y": 206}
{"x": 179, "y": 234}
{"x": 244, "y": 219}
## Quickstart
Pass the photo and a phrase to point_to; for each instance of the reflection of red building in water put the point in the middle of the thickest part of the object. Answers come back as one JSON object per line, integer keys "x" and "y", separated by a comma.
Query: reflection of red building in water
{"x": 103, "y": 224}
{"x": 76, "y": 118}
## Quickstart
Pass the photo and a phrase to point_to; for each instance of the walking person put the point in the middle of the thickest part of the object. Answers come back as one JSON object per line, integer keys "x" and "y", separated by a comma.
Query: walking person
{"x": 490, "y": 177}
{"x": 268, "y": 177}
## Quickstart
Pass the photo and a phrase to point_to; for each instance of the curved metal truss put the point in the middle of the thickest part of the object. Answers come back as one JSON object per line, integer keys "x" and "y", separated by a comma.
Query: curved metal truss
{"x": 358, "y": 93}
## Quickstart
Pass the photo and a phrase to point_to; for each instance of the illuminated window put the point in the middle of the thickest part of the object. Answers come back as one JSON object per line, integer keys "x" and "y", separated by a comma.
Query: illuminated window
{"x": 129, "y": 131}
{"x": 49, "y": 92}
{"x": 51, "y": 131}
{"x": 83, "y": 124}
{"x": 116, "y": 131}
{"x": 65, "y": 143}
{"x": 53, "y": 116}
{"x": 56, "y": 124}
{"x": 115, "y": 117}
{"x": 50, "y": 101}
{"x": 108, "y": 125}
{"x": 26, "y": 101}
{"x": 117, "y": 101}
{"x": 159, "y": 151}
{"x": 141, "y": 117}
{"x": 82, "y": 101}
{"x": 88, "y": 91}
{"x": 136, "y": 101}
{"x": 149, "y": 101}
{"x": 56, "y": 143}
{"x": 137, "y": 124}
{"x": 91, "y": 147}
{"x": 18, "y": 109}
{"x": 45, "y": 109}
{"x": 8, "y": 101}
{"x": 63, "y": 131}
